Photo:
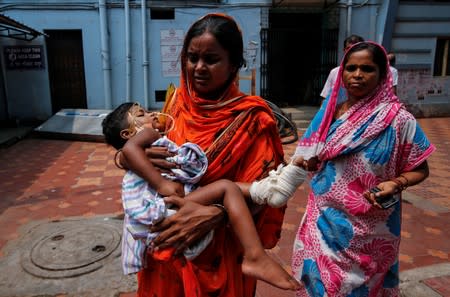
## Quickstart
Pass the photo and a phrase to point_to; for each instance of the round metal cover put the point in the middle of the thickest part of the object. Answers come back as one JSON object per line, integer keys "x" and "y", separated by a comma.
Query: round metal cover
{"x": 72, "y": 251}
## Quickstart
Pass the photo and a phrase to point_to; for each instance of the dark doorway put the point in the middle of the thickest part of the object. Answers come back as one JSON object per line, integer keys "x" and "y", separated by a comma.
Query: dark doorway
{"x": 293, "y": 73}
{"x": 66, "y": 69}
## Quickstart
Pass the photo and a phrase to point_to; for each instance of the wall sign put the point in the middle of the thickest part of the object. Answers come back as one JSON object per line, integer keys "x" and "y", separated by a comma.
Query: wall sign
{"x": 171, "y": 45}
{"x": 24, "y": 57}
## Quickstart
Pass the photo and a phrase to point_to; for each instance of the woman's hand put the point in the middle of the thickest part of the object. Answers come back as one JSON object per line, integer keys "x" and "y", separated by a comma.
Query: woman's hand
{"x": 399, "y": 183}
{"x": 157, "y": 155}
{"x": 189, "y": 224}
{"x": 384, "y": 190}
{"x": 309, "y": 165}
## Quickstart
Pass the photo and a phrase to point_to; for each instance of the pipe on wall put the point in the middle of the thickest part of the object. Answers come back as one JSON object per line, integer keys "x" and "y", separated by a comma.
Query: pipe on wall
{"x": 145, "y": 62}
{"x": 349, "y": 17}
{"x": 127, "y": 52}
{"x": 5, "y": 91}
{"x": 106, "y": 64}
{"x": 388, "y": 30}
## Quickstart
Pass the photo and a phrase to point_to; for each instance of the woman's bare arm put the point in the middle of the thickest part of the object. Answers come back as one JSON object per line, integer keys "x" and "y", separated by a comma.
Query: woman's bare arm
{"x": 157, "y": 156}
{"x": 401, "y": 182}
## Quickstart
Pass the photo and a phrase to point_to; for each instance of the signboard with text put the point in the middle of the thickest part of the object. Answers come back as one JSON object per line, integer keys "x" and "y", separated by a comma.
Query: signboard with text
{"x": 24, "y": 57}
{"x": 171, "y": 45}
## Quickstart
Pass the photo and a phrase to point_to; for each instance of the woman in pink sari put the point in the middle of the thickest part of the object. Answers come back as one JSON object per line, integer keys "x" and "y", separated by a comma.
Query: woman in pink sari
{"x": 348, "y": 244}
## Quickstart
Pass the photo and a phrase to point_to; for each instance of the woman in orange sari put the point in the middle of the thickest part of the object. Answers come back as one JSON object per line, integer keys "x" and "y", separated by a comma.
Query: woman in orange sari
{"x": 241, "y": 139}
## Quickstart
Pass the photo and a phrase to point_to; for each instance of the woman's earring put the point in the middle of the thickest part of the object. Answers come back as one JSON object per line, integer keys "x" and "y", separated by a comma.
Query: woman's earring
{"x": 167, "y": 121}
{"x": 127, "y": 133}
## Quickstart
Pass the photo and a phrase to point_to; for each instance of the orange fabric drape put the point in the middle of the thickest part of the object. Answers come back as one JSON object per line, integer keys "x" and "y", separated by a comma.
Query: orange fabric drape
{"x": 241, "y": 139}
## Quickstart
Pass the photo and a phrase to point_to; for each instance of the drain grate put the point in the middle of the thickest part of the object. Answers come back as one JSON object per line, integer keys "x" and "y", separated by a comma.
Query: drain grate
{"x": 72, "y": 250}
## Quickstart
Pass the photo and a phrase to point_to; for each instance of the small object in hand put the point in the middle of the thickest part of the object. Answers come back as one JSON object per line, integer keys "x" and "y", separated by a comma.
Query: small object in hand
{"x": 386, "y": 201}
{"x": 375, "y": 190}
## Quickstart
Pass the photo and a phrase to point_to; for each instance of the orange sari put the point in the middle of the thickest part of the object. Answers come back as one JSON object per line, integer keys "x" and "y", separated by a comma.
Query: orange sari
{"x": 241, "y": 139}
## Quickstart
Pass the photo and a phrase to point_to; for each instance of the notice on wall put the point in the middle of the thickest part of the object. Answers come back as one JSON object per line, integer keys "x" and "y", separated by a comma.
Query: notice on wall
{"x": 170, "y": 53}
{"x": 24, "y": 57}
{"x": 171, "y": 69}
{"x": 172, "y": 37}
{"x": 171, "y": 45}
{"x": 250, "y": 53}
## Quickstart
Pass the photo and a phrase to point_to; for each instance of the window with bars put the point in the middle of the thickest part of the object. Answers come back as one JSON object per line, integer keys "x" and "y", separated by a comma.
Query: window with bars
{"x": 442, "y": 56}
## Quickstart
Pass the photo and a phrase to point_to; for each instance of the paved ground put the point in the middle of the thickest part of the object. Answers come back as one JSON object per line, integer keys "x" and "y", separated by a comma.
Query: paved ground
{"x": 44, "y": 180}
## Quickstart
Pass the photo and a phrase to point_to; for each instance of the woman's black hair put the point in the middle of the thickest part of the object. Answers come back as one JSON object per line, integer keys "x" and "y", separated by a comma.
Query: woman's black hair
{"x": 114, "y": 123}
{"x": 378, "y": 55}
{"x": 225, "y": 30}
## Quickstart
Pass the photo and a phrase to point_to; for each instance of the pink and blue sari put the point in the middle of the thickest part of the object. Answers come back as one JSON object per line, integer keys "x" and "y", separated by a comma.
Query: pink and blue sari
{"x": 344, "y": 245}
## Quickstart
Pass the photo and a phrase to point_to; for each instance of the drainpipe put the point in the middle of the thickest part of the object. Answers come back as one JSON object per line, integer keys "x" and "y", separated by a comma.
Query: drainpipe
{"x": 145, "y": 63}
{"x": 106, "y": 65}
{"x": 445, "y": 59}
{"x": 5, "y": 91}
{"x": 127, "y": 52}
{"x": 349, "y": 17}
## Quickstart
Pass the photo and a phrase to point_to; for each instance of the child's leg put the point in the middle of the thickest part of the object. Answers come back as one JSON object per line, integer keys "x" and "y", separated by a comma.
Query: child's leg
{"x": 257, "y": 263}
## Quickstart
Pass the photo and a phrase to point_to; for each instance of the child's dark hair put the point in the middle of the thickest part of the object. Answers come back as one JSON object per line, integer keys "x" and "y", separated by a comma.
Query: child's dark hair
{"x": 115, "y": 122}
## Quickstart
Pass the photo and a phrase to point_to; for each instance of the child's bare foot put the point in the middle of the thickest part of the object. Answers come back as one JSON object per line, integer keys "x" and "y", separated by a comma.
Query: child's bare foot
{"x": 266, "y": 269}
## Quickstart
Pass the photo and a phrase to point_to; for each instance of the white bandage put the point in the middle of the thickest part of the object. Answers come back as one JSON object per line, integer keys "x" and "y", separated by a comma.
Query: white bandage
{"x": 276, "y": 189}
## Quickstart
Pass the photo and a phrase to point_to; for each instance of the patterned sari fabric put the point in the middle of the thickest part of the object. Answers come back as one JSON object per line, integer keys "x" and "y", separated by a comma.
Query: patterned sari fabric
{"x": 240, "y": 137}
{"x": 345, "y": 246}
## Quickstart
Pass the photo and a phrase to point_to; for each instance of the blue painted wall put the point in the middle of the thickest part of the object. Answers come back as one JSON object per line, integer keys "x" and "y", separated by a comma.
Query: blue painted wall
{"x": 33, "y": 101}
{"x": 367, "y": 19}
{"x": 410, "y": 31}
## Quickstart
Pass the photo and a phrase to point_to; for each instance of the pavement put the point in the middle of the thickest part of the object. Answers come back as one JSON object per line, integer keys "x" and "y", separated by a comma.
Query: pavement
{"x": 60, "y": 216}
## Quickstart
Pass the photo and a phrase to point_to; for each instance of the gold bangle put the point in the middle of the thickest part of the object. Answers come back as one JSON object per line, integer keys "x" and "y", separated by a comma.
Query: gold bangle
{"x": 400, "y": 186}
{"x": 117, "y": 163}
{"x": 407, "y": 181}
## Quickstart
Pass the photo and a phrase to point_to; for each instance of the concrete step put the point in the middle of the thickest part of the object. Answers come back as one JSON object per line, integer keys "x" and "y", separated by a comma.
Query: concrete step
{"x": 301, "y": 115}
{"x": 302, "y": 125}
{"x": 301, "y": 112}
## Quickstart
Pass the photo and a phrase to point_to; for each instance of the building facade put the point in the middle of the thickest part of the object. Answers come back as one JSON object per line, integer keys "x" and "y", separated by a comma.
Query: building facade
{"x": 420, "y": 39}
{"x": 96, "y": 54}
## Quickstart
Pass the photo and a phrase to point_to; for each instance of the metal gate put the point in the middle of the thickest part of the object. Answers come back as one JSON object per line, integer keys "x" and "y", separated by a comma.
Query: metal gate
{"x": 329, "y": 56}
{"x": 293, "y": 67}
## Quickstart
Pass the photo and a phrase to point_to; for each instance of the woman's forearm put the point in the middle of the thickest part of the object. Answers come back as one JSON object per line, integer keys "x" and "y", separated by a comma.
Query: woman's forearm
{"x": 413, "y": 177}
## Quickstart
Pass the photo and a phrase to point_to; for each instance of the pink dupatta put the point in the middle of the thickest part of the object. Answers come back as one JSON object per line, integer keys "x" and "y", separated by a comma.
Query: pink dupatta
{"x": 376, "y": 110}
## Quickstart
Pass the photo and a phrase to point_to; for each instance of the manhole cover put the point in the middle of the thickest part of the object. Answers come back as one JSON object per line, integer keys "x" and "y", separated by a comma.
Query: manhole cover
{"x": 71, "y": 251}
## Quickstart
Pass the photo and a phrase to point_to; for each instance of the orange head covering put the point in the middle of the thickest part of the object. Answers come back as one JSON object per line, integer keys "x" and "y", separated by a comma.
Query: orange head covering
{"x": 240, "y": 137}
{"x": 225, "y": 127}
